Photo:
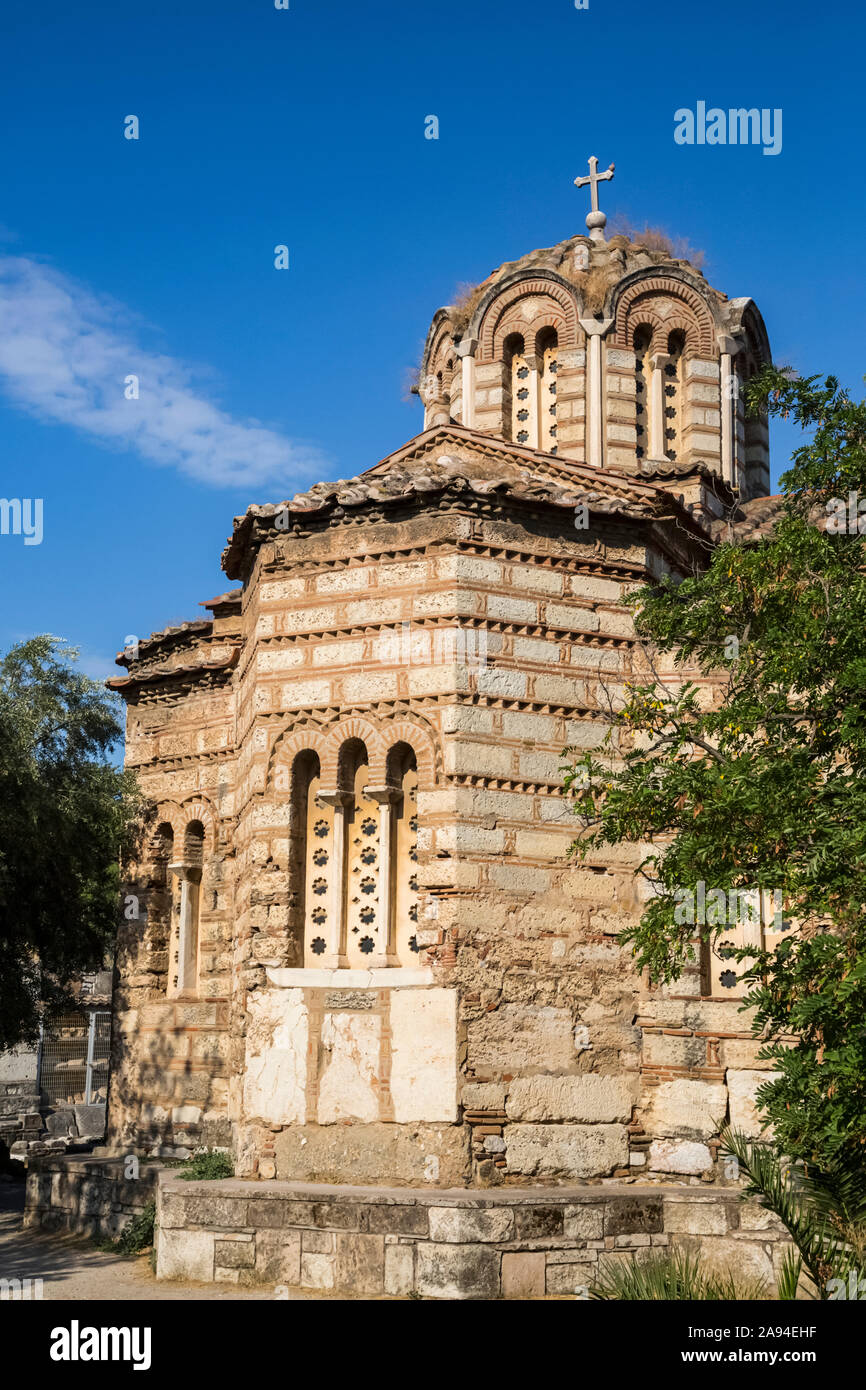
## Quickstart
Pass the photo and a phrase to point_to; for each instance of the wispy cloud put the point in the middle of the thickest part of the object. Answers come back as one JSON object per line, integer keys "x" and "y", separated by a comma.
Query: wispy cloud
{"x": 65, "y": 355}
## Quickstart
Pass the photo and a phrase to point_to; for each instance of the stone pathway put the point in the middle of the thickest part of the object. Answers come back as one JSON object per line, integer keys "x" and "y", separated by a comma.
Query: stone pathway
{"x": 72, "y": 1268}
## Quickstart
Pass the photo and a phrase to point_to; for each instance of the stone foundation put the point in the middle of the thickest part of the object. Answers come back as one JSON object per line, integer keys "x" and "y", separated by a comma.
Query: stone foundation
{"x": 86, "y": 1196}
{"x": 377, "y": 1242}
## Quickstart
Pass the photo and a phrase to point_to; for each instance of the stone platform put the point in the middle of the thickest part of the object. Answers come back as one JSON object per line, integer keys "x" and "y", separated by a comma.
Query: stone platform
{"x": 453, "y": 1244}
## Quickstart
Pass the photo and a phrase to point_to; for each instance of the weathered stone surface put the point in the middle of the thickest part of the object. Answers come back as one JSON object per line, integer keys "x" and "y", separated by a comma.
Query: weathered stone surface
{"x": 461, "y": 1225}
{"x": 742, "y": 1089}
{"x": 317, "y": 1271}
{"x": 745, "y": 1259}
{"x": 537, "y": 1222}
{"x": 278, "y": 1256}
{"x": 457, "y": 1271}
{"x": 185, "y": 1255}
{"x": 523, "y": 1275}
{"x": 627, "y": 1216}
{"x": 399, "y": 1269}
{"x": 686, "y": 1109}
{"x": 360, "y": 1264}
{"x": 373, "y": 1154}
{"x": 573, "y": 1279}
{"x": 589, "y": 1099}
{"x": 234, "y": 1254}
{"x": 696, "y": 1218}
{"x": 576, "y": 1151}
{"x": 90, "y": 1121}
{"x": 515, "y": 1037}
{"x": 276, "y": 1057}
{"x": 584, "y": 1221}
{"x": 423, "y": 1079}
{"x": 755, "y": 1218}
{"x": 348, "y": 1080}
{"x": 679, "y": 1156}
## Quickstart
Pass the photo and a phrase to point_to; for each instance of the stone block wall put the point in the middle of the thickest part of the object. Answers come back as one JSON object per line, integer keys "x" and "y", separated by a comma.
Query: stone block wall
{"x": 86, "y": 1196}
{"x": 517, "y": 1245}
{"x": 545, "y": 1060}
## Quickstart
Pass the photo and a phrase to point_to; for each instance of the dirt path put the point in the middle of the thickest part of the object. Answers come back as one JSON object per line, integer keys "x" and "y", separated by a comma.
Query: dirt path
{"x": 71, "y": 1268}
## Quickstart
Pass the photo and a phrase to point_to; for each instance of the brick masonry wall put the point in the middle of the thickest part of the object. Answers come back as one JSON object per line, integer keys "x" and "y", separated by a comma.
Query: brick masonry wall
{"x": 566, "y": 1066}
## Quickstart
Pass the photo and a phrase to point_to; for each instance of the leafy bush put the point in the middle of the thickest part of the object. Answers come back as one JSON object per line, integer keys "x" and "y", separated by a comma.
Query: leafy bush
{"x": 207, "y": 1166}
{"x": 136, "y": 1236}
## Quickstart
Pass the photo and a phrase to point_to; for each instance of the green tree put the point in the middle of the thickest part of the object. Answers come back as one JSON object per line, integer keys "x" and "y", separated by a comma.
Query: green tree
{"x": 766, "y": 787}
{"x": 67, "y": 816}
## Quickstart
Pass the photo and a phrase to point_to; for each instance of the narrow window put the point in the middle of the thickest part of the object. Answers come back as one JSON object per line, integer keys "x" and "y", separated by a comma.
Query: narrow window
{"x": 548, "y": 367}
{"x": 186, "y": 893}
{"x": 673, "y": 396}
{"x": 362, "y": 859}
{"x": 524, "y": 402}
{"x": 642, "y": 341}
{"x": 405, "y": 850}
{"x": 312, "y": 862}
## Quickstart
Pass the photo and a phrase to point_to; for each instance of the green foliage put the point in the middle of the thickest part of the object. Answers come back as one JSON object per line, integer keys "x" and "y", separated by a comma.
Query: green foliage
{"x": 207, "y": 1166}
{"x": 136, "y": 1236}
{"x": 764, "y": 787}
{"x": 826, "y": 1221}
{"x": 671, "y": 1277}
{"x": 66, "y": 818}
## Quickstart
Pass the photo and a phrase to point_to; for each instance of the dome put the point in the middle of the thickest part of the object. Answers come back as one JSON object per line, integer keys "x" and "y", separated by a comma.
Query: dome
{"x": 615, "y": 353}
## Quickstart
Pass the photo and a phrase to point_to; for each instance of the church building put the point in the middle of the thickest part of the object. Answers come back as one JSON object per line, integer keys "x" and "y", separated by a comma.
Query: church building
{"x": 359, "y": 951}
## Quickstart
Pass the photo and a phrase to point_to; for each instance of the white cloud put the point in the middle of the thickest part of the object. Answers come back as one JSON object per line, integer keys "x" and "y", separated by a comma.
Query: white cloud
{"x": 64, "y": 356}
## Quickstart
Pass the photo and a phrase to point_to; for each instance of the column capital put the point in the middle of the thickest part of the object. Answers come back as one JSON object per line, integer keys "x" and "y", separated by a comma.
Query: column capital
{"x": 335, "y": 798}
{"x": 729, "y": 343}
{"x": 183, "y": 870}
{"x": 595, "y": 328}
{"x": 385, "y": 796}
{"x": 660, "y": 360}
{"x": 467, "y": 347}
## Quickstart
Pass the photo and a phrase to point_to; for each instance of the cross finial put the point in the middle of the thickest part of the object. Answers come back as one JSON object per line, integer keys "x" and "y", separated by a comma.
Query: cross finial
{"x": 596, "y": 220}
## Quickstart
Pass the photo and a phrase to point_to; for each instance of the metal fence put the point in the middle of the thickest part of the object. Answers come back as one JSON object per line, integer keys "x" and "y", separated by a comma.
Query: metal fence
{"x": 73, "y": 1059}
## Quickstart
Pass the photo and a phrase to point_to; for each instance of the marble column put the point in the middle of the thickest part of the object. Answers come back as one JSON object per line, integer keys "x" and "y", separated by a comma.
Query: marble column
{"x": 729, "y": 388}
{"x": 466, "y": 351}
{"x": 595, "y": 329}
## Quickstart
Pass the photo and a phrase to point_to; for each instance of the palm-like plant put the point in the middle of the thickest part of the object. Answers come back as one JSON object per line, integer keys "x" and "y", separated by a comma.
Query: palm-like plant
{"x": 672, "y": 1276}
{"x": 824, "y": 1213}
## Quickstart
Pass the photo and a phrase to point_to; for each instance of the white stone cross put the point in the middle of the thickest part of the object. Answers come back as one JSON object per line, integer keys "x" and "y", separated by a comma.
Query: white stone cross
{"x": 596, "y": 220}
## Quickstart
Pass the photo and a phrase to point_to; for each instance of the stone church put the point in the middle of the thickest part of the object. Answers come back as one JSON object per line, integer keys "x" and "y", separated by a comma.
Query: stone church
{"x": 361, "y": 953}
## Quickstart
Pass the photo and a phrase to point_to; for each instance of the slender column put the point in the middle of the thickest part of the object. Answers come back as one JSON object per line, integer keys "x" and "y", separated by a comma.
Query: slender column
{"x": 658, "y": 362}
{"x": 385, "y": 953}
{"x": 595, "y": 330}
{"x": 730, "y": 391}
{"x": 184, "y": 936}
{"x": 335, "y": 957}
{"x": 466, "y": 351}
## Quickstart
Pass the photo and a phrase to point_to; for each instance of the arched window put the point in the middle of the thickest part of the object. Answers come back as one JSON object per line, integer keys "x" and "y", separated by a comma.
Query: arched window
{"x": 642, "y": 342}
{"x": 186, "y": 895}
{"x": 312, "y": 844}
{"x": 673, "y": 395}
{"x": 524, "y": 395}
{"x": 162, "y": 854}
{"x": 546, "y": 352}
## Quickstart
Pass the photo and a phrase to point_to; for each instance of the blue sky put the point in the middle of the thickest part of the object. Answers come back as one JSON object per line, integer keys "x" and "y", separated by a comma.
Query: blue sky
{"x": 305, "y": 127}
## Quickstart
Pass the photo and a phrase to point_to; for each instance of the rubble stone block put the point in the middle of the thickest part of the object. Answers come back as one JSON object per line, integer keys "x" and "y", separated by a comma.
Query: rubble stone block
{"x": 577, "y": 1151}
{"x": 523, "y": 1274}
{"x": 457, "y": 1271}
